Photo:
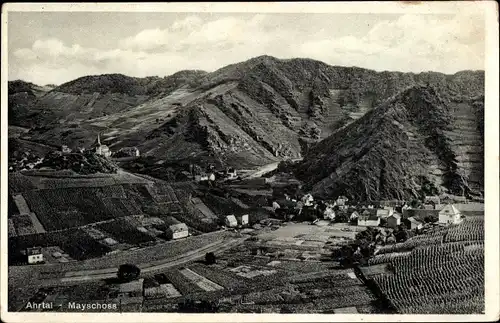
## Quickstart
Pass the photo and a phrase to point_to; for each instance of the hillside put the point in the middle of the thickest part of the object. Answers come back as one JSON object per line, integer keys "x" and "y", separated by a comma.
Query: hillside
{"x": 251, "y": 113}
{"x": 23, "y": 97}
{"x": 444, "y": 267}
{"x": 417, "y": 142}
{"x": 91, "y": 215}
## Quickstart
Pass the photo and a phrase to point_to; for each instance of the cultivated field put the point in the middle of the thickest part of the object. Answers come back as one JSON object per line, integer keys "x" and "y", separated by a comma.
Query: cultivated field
{"x": 437, "y": 273}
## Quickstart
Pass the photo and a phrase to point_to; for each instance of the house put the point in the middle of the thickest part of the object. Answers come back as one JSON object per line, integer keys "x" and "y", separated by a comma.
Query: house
{"x": 129, "y": 152}
{"x": 230, "y": 221}
{"x": 65, "y": 149}
{"x": 211, "y": 177}
{"x": 354, "y": 216}
{"x": 390, "y": 209}
{"x": 341, "y": 200}
{"x": 383, "y": 213}
{"x": 450, "y": 215}
{"x": 243, "y": 219}
{"x": 329, "y": 213}
{"x": 177, "y": 231}
{"x": 429, "y": 206}
{"x": 368, "y": 219}
{"x": 231, "y": 173}
{"x": 35, "y": 255}
{"x": 394, "y": 220}
{"x": 275, "y": 206}
{"x": 308, "y": 200}
{"x": 101, "y": 149}
{"x": 413, "y": 223}
{"x": 203, "y": 177}
{"x": 432, "y": 215}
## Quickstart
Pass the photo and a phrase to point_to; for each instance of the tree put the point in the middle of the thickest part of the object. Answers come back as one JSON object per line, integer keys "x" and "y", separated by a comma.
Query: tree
{"x": 128, "y": 272}
{"x": 210, "y": 258}
{"x": 401, "y": 234}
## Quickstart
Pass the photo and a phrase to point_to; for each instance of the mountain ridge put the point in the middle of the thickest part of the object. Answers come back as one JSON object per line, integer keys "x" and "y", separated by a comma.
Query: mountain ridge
{"x": 401, "y": 149}
{"x": 261, "y": 110}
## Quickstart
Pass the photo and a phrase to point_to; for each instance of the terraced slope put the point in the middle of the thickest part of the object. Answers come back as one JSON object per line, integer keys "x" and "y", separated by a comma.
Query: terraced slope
{"x": 440, "y": 272}
{"x": 411, "y": 145}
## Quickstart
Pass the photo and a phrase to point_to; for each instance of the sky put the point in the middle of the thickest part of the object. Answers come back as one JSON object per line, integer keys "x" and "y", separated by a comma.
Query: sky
{"x": 56, "y": 47}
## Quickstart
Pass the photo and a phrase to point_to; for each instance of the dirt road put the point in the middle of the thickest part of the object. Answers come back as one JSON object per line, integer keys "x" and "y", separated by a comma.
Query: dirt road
{"x": 98, "y": 274}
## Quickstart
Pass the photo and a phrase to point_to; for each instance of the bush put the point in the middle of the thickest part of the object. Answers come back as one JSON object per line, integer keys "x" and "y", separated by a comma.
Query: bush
{"x": 128, "y": 272}
{"x": 210, "y": 258}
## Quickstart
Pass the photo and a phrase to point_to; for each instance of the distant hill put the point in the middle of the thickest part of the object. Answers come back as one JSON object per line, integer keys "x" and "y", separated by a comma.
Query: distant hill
{"x": 23, "y": 97}
{"x": 251, "y": 113}
{"x": 417, "y": 142}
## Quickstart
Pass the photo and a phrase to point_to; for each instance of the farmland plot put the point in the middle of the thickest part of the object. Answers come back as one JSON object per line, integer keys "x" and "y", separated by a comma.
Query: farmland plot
{"x": 223, "y": 278}
{"x": 124, "y": 231}
{"x": 202, "y": 282}
{"x": 434, "y": 279}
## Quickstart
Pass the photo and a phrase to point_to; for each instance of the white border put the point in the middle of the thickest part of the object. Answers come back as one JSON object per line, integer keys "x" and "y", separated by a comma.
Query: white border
{"x": 488, "y": 8}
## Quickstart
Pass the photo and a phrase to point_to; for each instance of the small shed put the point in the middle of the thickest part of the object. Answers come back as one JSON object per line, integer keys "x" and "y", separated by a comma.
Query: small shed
{"x": 230, "y": 221}
{"x": 177, "y": 231}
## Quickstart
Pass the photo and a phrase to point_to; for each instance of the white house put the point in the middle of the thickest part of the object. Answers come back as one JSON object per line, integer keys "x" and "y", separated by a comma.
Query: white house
{"x": 177, "y": 231}
{"x": 383, "y": 213}
{"x": 368, "y": 219}
{"x": 230, "y": 221}
{"x": 415, "y": 224}
{"x": 308, "y": 200}
{"x": 211, "y": 177}
{"x": 390, "y": 209}
{"x": 450, "y": 215}
{"x": 354, "y": 216}
{"x": 341, "y": 200}
{"x": 34, "y": 255}
{"x": 231, "y": 173}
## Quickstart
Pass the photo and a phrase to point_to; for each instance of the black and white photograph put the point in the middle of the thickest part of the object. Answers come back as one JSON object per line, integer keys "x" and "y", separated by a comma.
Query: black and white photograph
{"x": 337, "y": 160}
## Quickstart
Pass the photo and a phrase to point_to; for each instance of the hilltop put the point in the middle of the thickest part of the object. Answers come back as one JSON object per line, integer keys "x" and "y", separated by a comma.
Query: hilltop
{"x": 252, "y": 113}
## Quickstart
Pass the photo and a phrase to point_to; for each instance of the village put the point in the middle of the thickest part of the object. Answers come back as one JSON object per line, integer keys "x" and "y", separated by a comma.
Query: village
{"x": 262, "y": 237}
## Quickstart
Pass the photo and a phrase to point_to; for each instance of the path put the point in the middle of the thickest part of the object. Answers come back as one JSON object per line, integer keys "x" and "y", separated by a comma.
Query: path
{"x": 99, "y": 274}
